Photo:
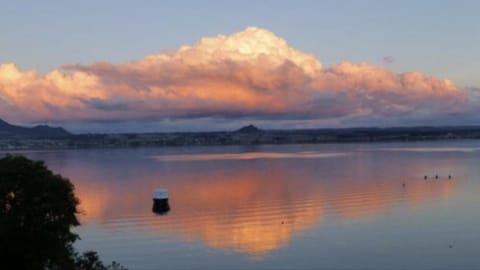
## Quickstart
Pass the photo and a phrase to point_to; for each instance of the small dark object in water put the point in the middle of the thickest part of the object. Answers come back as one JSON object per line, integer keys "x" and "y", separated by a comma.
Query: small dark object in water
{"x": 425, "y": 177}
{"x": 282, "y": 222}
{"x": 160, "y": 207}
{"x": 450, "y": 246}
{"x": 403, "y": 184}
{"x": 436, "y": 176}
{"x": 449, "y": 176}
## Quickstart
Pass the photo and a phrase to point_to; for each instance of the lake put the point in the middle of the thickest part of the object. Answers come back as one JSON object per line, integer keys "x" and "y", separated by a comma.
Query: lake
{"x": 324, "y": 206}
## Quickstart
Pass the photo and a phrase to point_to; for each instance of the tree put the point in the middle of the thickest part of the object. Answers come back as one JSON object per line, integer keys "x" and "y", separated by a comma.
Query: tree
{"x": 90, "y": 261}
{"x": 37, "y": 211}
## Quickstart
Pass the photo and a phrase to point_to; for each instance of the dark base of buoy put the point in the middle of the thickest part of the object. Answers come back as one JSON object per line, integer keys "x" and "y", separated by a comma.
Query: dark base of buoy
{"x": 161, "y": 206}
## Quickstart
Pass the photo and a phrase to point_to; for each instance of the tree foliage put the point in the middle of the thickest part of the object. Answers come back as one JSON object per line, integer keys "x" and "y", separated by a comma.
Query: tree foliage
{"x": 90, "y": 261}
{"x": 37, "y": 212}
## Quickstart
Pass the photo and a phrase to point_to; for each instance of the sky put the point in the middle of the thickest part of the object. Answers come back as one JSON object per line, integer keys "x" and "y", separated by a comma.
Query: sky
{"x": 123, "y": 66}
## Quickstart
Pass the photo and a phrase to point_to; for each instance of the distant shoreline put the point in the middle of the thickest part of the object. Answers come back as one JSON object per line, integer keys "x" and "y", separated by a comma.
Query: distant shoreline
{"x": 250, "y": 137}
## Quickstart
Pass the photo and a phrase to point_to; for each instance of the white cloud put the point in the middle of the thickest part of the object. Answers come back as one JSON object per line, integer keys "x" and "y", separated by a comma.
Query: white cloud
{"x": 252, "y": 73}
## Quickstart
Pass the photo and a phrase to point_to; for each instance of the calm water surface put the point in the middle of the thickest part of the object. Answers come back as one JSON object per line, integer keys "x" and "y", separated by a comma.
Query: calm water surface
{"x": 337, "y": 206}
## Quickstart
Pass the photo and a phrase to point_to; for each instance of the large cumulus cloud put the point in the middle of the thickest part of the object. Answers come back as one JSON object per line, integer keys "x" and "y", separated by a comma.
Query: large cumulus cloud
{"x": 249, "y": 74}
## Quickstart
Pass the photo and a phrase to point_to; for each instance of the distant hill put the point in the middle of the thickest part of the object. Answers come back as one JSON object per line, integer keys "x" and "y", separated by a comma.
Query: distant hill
{"x": 248, "y": 129}
{"x": 41, "y": 131}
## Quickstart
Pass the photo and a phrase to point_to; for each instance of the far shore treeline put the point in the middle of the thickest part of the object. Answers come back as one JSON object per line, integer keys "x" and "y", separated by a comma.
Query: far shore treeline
{"x": 44, "y": 137}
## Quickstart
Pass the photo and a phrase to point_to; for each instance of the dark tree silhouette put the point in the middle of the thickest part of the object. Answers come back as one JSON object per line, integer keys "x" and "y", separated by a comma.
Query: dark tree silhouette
{"x": 37, "y": 211}
{"x": 90, "y": 261}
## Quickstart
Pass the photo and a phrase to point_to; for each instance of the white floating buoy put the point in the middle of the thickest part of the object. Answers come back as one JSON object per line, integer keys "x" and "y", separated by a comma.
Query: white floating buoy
{"x": 160, "y": 194}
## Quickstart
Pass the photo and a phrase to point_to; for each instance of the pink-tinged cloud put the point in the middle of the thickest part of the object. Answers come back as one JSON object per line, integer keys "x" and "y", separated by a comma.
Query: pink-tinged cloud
{"x": 252, "y": 74}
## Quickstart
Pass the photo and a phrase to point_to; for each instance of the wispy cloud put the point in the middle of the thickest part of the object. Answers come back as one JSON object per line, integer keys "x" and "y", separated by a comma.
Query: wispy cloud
{"x": 388, "y": 59}
{"x": 250, "y": 74}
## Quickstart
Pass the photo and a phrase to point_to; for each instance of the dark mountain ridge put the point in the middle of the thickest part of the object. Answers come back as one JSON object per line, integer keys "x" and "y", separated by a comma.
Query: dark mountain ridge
{"x": 248, "y": 129}
{"x": 40, "y": 131}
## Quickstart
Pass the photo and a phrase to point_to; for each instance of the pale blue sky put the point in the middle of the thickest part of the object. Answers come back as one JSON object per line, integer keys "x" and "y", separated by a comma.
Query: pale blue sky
{"x": 440, "y": 38}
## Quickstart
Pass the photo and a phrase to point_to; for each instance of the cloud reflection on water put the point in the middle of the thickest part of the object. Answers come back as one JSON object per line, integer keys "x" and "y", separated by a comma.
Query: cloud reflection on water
{"x": 255, "y": 205}
{"x": 246, "y": 156}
